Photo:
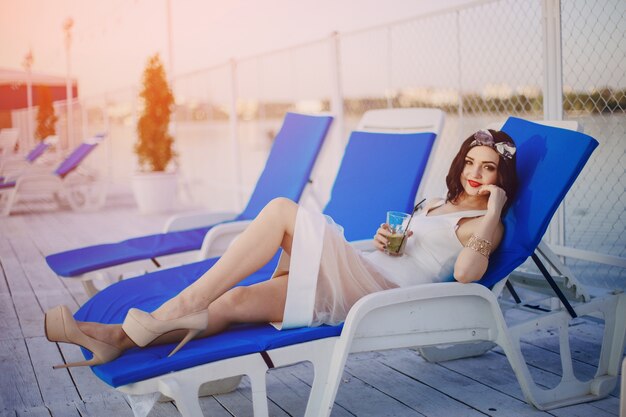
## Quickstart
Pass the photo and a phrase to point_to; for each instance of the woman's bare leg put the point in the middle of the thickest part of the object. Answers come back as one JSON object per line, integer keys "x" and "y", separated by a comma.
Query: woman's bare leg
{"x": 273, "y": 228}
{"x": 259, "y": 303}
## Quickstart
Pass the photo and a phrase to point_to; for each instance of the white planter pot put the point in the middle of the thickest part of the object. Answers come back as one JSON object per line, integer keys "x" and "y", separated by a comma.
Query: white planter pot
{"x": 155, "y": 192}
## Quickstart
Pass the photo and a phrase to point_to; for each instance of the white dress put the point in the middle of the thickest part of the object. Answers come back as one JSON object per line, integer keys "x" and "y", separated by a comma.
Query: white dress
{"x": 327, "y": 275}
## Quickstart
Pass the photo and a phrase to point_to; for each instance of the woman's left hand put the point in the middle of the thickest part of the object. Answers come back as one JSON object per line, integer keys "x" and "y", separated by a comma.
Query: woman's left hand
{"x": 497, "y": 198}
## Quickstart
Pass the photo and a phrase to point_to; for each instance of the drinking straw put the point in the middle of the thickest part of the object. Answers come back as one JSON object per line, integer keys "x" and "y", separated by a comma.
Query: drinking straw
{"x": 409, "y": 223}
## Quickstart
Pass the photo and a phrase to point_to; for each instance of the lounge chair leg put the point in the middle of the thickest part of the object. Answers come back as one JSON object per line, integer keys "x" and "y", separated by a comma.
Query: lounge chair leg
{"x": 185, "y": 396}
{"x": 90, "y": 288}
{"x": 259, "y": 393}
{"x": 622, "y": 397}
{"x": 321, "y": 370}
{"x": 570, "y": 390}
{"x": 323, "y": 396}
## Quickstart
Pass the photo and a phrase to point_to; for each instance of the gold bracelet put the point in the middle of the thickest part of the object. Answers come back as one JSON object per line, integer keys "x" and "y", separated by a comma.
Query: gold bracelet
{"x": 480, "y": 245}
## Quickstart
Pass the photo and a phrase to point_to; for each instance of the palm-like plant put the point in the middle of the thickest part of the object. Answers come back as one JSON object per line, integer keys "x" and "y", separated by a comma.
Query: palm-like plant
{"x": 154, "y": 145}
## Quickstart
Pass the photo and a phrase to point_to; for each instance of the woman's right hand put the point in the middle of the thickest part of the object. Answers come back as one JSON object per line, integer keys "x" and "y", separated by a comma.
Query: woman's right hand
{"x": 381, "y": 237}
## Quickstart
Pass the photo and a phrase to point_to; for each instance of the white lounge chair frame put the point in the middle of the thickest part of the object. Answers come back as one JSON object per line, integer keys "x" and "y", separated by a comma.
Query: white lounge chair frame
{"x": 13, "y": 167}
{"x": 392, "y": 319}
{"x": 406, "y": 120}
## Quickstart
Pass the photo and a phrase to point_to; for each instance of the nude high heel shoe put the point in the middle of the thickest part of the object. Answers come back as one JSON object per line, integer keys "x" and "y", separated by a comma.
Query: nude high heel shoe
{"x": 60, "y": 326}
{"x": 142, "y": 328}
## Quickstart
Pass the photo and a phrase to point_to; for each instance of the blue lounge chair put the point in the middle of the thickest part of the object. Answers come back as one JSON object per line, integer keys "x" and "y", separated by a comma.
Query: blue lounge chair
{"x": 360, "y": 198}
{"x": 549, "y": 160}
{"x": 60, "y": 183}
{"x": 11, "y": 168}
{"x": 286, "y": 173}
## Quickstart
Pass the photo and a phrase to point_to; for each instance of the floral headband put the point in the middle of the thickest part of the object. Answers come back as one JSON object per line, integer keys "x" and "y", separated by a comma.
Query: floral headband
{"x": 485, "y": 138}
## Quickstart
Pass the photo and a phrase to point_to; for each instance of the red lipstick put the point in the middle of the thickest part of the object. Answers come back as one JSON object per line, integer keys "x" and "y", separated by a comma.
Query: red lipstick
{"x": 473, "y": 183}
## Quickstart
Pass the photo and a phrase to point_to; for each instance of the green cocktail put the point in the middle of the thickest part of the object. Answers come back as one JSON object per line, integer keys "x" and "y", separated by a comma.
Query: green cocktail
{"x": 397, "y": 223}
{"x": 395, "y": 247}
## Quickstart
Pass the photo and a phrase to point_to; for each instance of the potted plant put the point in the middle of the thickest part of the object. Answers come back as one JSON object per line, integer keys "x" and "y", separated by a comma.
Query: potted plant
{"x": 156, "y": 185}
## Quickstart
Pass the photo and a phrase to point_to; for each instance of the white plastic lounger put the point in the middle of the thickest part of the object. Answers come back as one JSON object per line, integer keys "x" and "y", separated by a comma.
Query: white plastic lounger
{"x": 66, "y": 183}
{"x": 549, "y": 160}
{"x": 13, "y": 167}
{"x": 470, "y": 314}
{"x": 230, "y": 352}
{"x": 286, "y": 174}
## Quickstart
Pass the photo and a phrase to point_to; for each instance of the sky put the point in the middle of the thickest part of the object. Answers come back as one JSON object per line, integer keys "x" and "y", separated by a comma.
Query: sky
{"x": 111, "y": 40}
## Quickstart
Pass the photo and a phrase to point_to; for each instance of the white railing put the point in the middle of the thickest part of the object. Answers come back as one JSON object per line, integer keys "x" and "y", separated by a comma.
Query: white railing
{"x": 480, "y": 63}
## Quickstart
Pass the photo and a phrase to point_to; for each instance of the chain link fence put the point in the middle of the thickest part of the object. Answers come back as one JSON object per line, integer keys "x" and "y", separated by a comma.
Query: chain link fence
{"x": 480, "y": 63}
{"x": 594, "y": 85}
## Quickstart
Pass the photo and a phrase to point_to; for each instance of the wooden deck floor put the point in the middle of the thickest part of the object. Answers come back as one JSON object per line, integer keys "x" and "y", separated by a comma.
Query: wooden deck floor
{"x": 393, "y": 383}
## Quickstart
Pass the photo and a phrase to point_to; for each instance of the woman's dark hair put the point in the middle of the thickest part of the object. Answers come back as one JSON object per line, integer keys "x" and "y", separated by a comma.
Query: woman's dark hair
{"x": 507, "y": 174}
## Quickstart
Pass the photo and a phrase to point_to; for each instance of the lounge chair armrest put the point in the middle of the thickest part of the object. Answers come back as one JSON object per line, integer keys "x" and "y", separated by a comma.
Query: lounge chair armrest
{"x": 197, "y": 219}
{"x": 418, "y": 292}
{"x": 365, "y": 245}
{"x": 423, "y": 315}
{"x": 217, "y": 240}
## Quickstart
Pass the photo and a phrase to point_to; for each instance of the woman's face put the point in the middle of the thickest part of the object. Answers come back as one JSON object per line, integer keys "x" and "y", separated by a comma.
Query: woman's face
{"x": 481, "y": 168}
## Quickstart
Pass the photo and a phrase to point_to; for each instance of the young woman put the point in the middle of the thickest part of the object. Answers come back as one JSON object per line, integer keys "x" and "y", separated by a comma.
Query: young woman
{"x": 320, "y": 275}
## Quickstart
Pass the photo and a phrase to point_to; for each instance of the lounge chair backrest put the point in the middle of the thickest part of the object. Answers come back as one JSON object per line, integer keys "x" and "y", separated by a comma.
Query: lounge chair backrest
{"x": 292, "y": 156}
{"x": 563, "y": 124}
{"x": 37, "y": 151}
{"x": 408, "y": 120}
{"x": 379, "y": 172}
{"x": 75, "y": 158}
{"x": 543, "y": 186}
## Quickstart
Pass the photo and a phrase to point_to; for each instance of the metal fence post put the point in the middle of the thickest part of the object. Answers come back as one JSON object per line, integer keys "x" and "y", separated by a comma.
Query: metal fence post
{"x": 234, "y": 136}
{"x": 336, "y": 94}
{"x": 457, "y": 22}
{"x": 553, "y": 90}
{"x": 389, "y": 93}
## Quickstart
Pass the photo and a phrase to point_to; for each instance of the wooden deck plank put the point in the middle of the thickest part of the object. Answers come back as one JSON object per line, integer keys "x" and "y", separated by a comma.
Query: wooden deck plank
{"x": 4, "y": 247}
{"x": 56, "y": 386}
{"x": 239, "y": 402}
{"x": 9, "y": 324}
{"x": 289, "y": 387}
{"x": 89, "y": 386}
{"x": 34, "y": 412}
{"x": 105, "y": 407}
{"x": 363, "y": 399}
{"x": 469, "y": 390}
{"x": 26, "y": 306}
{"x": 63, "y": 410}
{"x": 211, "y": 407}
{"x": 422, "y": 398}
{"x": 20, "y": 390}
{"x": 49, "y": 238}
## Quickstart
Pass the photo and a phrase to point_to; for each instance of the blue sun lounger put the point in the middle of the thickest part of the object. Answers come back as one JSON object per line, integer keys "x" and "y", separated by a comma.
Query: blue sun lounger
{"x": 12, "y": 167}
{"x": 286, "y": 173}
{"x": 360, "y": 193}
{"x": 46, "y": 183}
{"x": 549, "y": 160}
